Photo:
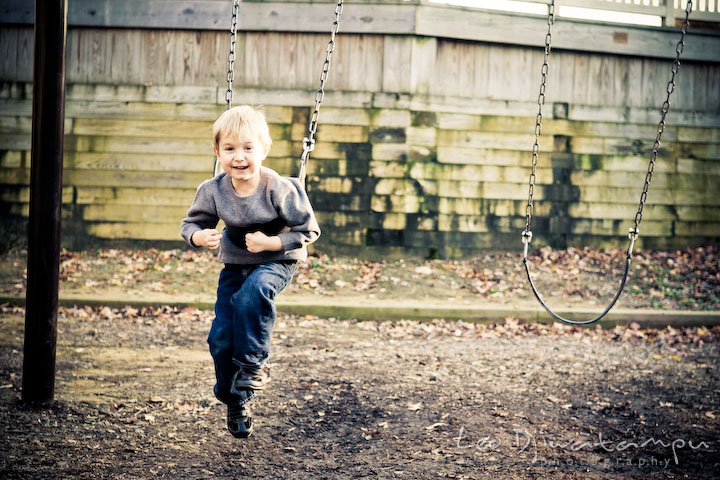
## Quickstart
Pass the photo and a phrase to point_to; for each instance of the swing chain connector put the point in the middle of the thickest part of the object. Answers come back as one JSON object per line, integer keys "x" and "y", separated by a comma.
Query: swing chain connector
{"x": 632, "y": 235}
{"x": 308, "y": 146}
{"x": 526, "y": 239}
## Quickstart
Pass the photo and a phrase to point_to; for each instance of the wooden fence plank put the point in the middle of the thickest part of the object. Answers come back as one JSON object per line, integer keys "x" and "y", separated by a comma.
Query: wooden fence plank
{"x": 112, "y": 178}
{"x": 25, "y": 44}
{"x": 310, "y": 50}
{"x": 699, "y": 167}
{"x": 423, "y": 57}
{"x": 139, "y": 162}
{"x": 657, "y": 196}
{"x": 654, "y": 82}
{"x": 9, "y": 51}
{"x": 21, "y": 195}
{"x": 598, "y": 91}
{"x": 125, "y": 61}
{"x": 457, "y": 154}
{"x": 698, "y": 213}
{"x": 97, "y": 55}
{"x": 562, "y": 76}
{"x": 623, "y": 179}
{"x": 396, "y": 63}
{"x": 480, "y": 173}
{"x": 480, "y": 62}
{"x": 121, "y": 213}
{"x": 133, "y": 196}
{"x": 704, "y": 229}
{"x": 485, "y": 140}
{"x": 447, "y": 68}
{"x": 712, "y": 97}
{"x": 252, "y": 56}
{"x": 140, "y": 231}
{"x": 617, "y": 228}
{"x": 15, "y": 142}
{"x": 212, "y": 63}
{"x": 142, "y": 128}
{"x": 581, "y": 78}
{"x": 609, "y": 211}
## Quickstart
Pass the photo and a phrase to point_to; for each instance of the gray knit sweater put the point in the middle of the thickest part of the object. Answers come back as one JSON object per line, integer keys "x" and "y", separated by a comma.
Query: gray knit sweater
{"x": 279, "y": 206}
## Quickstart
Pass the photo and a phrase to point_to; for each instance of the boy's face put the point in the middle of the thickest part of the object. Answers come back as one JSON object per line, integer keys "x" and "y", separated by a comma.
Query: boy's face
{"x": 241, "y": 157}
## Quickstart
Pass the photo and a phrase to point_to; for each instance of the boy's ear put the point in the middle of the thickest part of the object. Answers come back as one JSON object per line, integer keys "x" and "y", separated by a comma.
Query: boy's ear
{"x": 216, "y": 151}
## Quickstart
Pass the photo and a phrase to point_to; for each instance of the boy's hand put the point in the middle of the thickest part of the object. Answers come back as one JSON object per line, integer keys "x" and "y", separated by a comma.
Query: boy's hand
{"x": 209, "y": 238}
{"x": 257, "y": 242}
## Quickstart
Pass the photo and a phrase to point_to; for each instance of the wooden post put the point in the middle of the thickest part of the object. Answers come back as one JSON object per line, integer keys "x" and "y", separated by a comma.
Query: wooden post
{"x": 38, "y": 383}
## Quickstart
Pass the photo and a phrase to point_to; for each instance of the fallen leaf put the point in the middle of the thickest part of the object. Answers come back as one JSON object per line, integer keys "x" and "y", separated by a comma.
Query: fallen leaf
{"x": 434, "y": 426}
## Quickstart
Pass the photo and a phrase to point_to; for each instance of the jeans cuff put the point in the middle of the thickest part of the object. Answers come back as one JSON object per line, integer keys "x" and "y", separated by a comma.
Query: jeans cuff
{"x": 240, "y": 399}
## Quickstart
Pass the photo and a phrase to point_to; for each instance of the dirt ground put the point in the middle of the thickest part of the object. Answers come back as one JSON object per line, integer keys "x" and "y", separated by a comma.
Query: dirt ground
{"x": 354, "y": 399}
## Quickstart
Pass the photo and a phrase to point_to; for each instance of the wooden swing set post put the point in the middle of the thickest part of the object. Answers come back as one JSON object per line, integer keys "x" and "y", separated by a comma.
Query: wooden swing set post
{"x": 43, "y": 263}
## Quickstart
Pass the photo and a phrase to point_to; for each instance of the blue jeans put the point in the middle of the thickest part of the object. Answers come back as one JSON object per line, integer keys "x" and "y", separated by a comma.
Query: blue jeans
{"x": 244, "y": 319}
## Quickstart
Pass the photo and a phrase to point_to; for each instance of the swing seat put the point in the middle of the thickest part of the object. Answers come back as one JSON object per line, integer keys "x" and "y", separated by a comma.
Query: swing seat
{"x": 273, "y": 227}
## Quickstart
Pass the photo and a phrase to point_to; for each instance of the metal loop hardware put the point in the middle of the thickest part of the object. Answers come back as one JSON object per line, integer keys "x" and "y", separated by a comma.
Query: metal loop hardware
{"x": 634, "y": 231}
{"x": 308, "y": 146}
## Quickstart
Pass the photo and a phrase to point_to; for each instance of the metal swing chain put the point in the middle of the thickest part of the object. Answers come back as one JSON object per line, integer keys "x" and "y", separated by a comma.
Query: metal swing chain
{"x": 634, "y": 232}
{"x": 309, "y": 141}
{"x": 231, "y": 55}
{"x": 231, "y": 65}
{"x": 527, "y": 234}
{"x": 661, "y": 125}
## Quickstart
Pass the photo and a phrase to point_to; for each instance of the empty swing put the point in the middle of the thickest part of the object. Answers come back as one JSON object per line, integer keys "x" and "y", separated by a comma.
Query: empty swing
{"x": 634, "y": 231}
{"x": 309, "y": 141}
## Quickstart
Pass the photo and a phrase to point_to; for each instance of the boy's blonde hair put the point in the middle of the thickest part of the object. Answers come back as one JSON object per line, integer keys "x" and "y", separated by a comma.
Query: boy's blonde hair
{"x": 243, "y": 120}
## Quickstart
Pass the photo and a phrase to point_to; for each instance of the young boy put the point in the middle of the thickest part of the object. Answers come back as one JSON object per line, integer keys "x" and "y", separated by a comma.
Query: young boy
{"x": 269, "y": 223}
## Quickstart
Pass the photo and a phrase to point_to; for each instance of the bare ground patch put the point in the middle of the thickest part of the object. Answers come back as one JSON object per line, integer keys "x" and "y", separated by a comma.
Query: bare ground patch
{"x": 367, "y": 400}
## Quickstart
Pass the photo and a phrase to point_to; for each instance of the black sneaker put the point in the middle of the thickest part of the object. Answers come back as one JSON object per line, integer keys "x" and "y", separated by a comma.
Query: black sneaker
{"x": 253, "y": 378}
{"x": 239, "y": 422}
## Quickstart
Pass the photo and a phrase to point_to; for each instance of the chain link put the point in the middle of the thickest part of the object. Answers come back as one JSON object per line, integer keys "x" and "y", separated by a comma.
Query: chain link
{"x": 231, "y": 55}
{"x": 309, "y": 141}
{"x": 661, "y": 125}
{"x": 527, "y": 234}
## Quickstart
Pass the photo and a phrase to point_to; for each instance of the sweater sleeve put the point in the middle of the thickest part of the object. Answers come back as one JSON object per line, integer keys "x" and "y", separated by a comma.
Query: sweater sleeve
{"x": 202, "y": 214}
{"x": 294, "y": 207}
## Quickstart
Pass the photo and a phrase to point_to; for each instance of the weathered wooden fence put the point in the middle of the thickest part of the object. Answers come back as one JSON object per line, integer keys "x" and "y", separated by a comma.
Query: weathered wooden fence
{"x": 425, "y": 132}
